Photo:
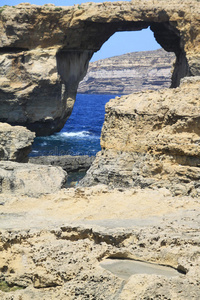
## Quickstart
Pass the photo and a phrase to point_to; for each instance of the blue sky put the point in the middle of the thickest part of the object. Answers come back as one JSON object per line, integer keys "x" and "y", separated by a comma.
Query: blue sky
{"x": 119, "y": 43}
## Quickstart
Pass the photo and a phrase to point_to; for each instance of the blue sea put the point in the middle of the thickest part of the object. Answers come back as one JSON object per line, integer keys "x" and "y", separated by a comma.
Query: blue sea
{"x": 81, "y": 133}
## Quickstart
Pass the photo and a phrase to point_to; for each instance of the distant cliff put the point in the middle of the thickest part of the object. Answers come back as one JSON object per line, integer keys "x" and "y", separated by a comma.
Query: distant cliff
{"x": 128, "y": 73}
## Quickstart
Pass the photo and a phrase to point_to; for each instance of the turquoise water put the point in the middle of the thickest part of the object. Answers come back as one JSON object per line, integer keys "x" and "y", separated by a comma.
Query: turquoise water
{"x": 81, "y": 133}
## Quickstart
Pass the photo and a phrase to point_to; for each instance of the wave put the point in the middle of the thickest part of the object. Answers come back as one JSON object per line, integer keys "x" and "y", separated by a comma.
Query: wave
{"x": 76, "y": 134}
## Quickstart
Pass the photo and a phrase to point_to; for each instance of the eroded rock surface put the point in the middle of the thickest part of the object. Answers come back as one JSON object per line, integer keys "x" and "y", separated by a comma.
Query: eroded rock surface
{"x": 74, "y": 34}
{"x": 15, "y": 142}
{"x": 30, "y": 90}
{"x": 151, "y": 139}
{"x": 53, "y": 246}
{"x": 30, "y": 179}
{"x": 68, "y": 163}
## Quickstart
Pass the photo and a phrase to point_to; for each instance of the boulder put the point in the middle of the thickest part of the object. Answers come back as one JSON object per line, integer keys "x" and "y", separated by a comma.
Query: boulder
{"x": 152, "y": 139}
{"x": 29, "y": 179}
{"x": 15, "y": 142}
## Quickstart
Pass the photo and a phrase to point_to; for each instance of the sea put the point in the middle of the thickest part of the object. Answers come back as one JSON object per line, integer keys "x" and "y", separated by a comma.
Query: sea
{"x": 81, "y": 133}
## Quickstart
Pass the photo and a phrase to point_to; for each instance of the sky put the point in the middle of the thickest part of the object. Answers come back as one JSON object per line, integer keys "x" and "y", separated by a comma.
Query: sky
{"x": 119, "y": 43}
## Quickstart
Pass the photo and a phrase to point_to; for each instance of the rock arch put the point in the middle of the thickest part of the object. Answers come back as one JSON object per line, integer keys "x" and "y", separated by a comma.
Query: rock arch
{"x": 74, "y": 34}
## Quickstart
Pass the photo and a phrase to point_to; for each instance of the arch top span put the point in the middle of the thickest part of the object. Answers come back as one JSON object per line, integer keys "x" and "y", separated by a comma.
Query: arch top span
{"x": 75, "y": 33}
{"x": 87, "y": 26}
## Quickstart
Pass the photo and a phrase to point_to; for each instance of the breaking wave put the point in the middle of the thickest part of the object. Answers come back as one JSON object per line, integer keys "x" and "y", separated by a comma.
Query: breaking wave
{"x": 80, "y": 134}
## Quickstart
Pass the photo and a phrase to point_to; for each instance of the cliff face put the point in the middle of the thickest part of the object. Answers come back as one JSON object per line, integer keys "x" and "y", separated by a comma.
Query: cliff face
{"x": 31, "y": 92}
{"x": 151, "y": 139}
{"x": 74, "y": 34}
{"x": 129, "y": 73}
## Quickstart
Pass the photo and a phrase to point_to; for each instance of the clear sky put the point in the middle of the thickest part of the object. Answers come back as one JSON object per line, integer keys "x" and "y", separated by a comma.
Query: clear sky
{"x": 119, "y": 43}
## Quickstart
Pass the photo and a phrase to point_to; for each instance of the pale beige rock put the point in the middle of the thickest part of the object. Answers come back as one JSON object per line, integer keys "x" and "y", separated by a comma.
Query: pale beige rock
{"x": 151, "y": 139}
{"x": 31, "y": 90}
{"x": 15, "y": 142}
{"x": 30, "y": 179}
{"x": 53, "y": 245}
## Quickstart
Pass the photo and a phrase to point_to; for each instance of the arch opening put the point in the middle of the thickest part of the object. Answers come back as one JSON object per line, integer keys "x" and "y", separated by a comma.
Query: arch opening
{"x": 128, "y": 62}
{"x": 125, "y": 42}
{"x": 72, "y": 64}
{"x": 72, "y": 61}
{"x": 166, "y": 35}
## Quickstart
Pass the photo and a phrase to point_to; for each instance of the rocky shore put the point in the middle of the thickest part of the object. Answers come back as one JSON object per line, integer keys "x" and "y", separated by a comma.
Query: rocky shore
{"x": 68, "y": 163}
{"x": 140, "y": 198}
{"x": 53, "y": 246}
{"x": 65, "y": 243}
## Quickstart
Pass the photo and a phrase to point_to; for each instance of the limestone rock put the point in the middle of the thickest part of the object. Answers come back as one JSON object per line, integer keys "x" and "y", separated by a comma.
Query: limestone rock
{"x": 68, "y": 163}
{"x": 29, "y": 179}
{"x": 53, "y": 246}
{"x": 151, "y": 139}
{"x": 15, "y": 142}
{"x": 30, "y": 92}
{"x": 73, "y": 34}
{"x": 129, "y": 73}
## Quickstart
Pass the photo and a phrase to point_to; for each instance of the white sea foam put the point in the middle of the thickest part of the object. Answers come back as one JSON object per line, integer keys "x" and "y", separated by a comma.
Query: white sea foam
{"x": 76, "y": 134}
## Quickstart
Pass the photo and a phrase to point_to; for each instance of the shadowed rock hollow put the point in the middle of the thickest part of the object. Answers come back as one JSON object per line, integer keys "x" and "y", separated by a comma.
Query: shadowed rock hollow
{"x": 73, "y": 34}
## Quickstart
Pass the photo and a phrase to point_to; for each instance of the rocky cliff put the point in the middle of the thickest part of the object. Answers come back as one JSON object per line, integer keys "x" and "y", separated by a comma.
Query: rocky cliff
{"x": 129, "y": 73}
{"x": 151, "y": 139}
{"x": 30, "y": 90}
{"x": 74, "y": 34}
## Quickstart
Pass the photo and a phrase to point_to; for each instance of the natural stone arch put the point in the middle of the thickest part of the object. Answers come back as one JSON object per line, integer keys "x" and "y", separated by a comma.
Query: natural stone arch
{"x": 167, "y": 36}
{"x": 76, "y": 62}
{"x": 77, "y": 32}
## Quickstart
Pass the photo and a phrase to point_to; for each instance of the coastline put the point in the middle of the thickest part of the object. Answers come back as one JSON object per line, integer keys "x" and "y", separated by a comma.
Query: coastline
{"x": 138, "y": 205}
